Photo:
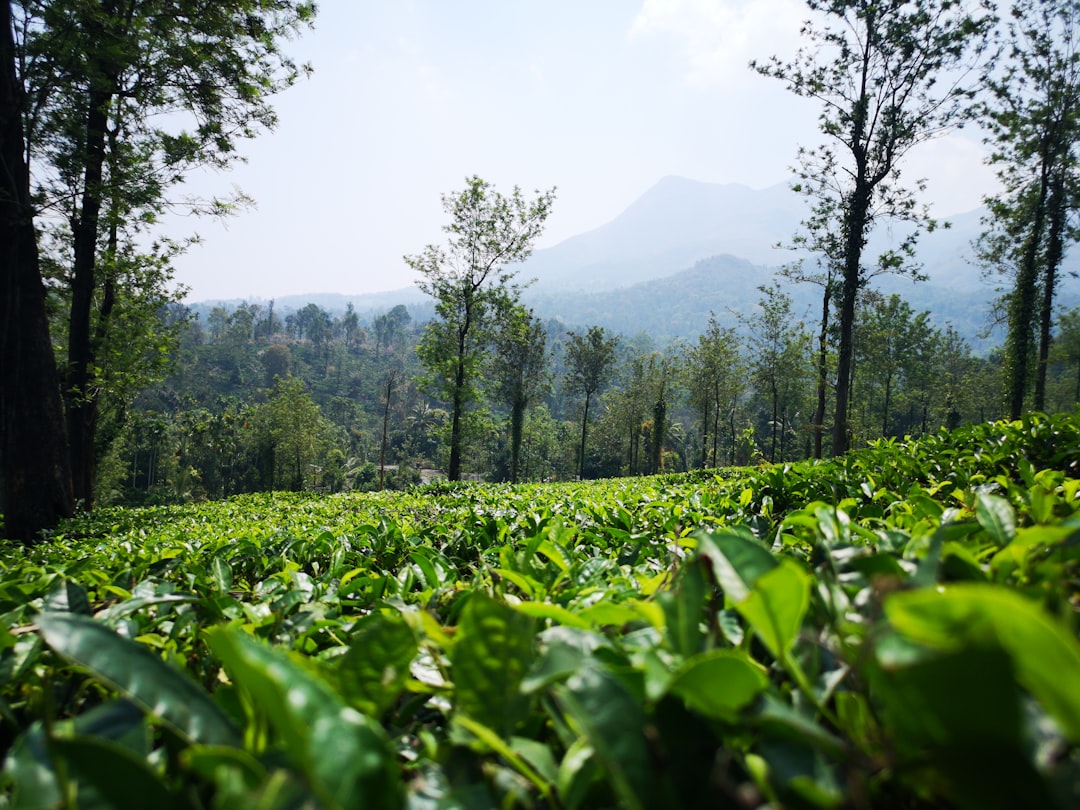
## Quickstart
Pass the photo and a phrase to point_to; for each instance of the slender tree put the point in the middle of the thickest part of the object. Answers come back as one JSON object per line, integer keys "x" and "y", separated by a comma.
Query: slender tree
{"x": 590, "y": 359}
{"x": 778, "y": 348}
{"x": 34, "y": 468}
{"x": 469, "y": 281}
{"x": 520, "y": 371}
{"x": 1033, "y": 117}
{"x": 885, "y": 73}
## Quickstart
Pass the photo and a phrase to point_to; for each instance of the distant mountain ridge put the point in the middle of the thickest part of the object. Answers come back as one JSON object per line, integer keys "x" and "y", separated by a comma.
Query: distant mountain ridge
{"x": 686, "y": 248}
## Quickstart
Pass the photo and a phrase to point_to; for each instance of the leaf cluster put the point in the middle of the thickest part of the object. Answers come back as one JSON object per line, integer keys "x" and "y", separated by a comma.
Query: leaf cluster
{"x": 894, "y": 627}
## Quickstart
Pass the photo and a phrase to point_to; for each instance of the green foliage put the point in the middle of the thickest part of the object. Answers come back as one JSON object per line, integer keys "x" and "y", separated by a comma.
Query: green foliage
{"x": 897, "y": 622}
{"x": 470, "y": 283}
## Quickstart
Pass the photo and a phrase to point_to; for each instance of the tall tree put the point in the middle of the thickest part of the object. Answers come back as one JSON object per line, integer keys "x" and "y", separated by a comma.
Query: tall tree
{"x": 820, "y": 235}
{"x": 520, "y": 371}
{"x": 469, "y": 281}
{"x": 778, "y": 348}
{"x": 895, "y": 351}
{"x": 127, "y": 97}
{"x": 589, "y": 362}
{"x": 34, "y": 468}
{"x": 714, "y": 379}
{"x": 885, "y": 75}
{"x": 1033, "y": 117}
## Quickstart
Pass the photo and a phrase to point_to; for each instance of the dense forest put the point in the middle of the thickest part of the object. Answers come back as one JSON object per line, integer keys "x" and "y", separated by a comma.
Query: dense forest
{"x": 113, "y": 392}
{"x": 259, "y": 399}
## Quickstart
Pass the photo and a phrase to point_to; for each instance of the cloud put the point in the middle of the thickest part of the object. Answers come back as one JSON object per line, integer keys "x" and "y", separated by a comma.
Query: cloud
{"x": 720, "y": 38}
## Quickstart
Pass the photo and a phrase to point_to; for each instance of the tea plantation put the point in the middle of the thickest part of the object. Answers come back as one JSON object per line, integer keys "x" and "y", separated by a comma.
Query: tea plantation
{"x": 893, "y": 629}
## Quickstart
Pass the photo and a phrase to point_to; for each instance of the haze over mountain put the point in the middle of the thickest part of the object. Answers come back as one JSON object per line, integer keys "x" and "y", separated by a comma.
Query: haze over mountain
{"x": 687, "y": 248}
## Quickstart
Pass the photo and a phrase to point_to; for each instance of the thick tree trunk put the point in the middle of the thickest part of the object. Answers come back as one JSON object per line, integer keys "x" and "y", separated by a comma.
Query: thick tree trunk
{"x": 80, "y": 398}
{"x": 1022, "y": 306}
{"x": 33, "y": 453}
{"x": 855, "y": 229}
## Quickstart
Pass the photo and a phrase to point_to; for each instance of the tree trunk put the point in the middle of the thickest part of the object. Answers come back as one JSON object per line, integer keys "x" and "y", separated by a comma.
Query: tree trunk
{"x": 517, "y": 428}
{"x": 1022, "y": 306}
{"x": 855, "y": 228}
{"x": 33, "y": 453}
{"x": 584, "y": 431}
{"x": 80, "y": 399}
{"x": 1055, "y": 248}
{"x": 385, "y": 422}
{"x": 659, "y": 428}
{"x": 453, "y": 472}
{"x": 822, "y": 369}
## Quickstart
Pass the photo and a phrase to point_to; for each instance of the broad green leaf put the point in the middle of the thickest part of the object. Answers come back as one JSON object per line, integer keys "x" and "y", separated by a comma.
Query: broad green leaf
{"x": 777, "y": 605}
{"x": 737, "y": 560}
{"x": 719, "y": 683}
{"x": 221, "y": 572}
{"x": 68, "y": 597}
{"x": 1045, "y": 654}
{"x": 563, "y": 650}
{"x": 122, "y": 780}
{"x": 491, "y": 655}
{"x": 958, "y": 712}
{"x": 684, "y": 611}
{"x": 495, "y": 743}
{"x": 612, "y": 722}
{"x": 344, "y": 756}
{"x": 373, "y": 673}
{"x": 30, "y": 763}
{"x": 996, "y": 515}
{"x": 133, "y": 670}
{"x": 577, "y": 771}
{"x": 555, "y": 553}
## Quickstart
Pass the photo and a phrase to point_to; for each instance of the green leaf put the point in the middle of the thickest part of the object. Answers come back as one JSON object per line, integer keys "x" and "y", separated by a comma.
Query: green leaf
{"x": 958, "y": 713}
{"x": 776, "y": 607}
{"x": 612, "y": 721}
{"x": 221, "y": 572}
{"x": 684, "y": 610}
{"x": 1045, "y": 654}
{"x": 133, "y": 670}
{"x": 491, "y": 655}
{"x": 719, "y": 683}
{"x": 495, "y": 743}
{"x": 996, "y": 515}
{"x": 557, "y": 613}
{"x": 344, "y": 756}
{"x": 123, "y": 780}
{"x": 737, "y": 560}
{"x": 373, "y": 673}
{"x": 68, "y": 597}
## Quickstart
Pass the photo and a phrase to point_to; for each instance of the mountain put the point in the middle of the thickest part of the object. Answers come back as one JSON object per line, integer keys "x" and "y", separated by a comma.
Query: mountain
{"x": 675, "y": 224}
{"x": 687, "y": 248}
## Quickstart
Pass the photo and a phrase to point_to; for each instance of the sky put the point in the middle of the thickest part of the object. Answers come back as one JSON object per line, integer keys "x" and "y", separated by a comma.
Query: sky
{"x": 598, "y": 98}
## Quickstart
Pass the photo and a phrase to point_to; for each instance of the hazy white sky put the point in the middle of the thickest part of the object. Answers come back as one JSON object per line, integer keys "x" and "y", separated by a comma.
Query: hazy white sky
{"x": 600, "y": 98}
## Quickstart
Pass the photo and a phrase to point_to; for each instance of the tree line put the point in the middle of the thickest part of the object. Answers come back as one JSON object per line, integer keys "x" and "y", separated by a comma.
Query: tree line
{"x": 310, "y": 399}
{"x": 106, "y": 106}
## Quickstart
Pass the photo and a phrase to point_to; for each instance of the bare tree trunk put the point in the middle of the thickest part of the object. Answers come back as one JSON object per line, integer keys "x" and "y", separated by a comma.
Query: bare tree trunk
{"x": 33, "y": 452}
{"x": 517, "y": 428}
{"x": 390, "y": 380}
{"x": 584, "y": 431}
